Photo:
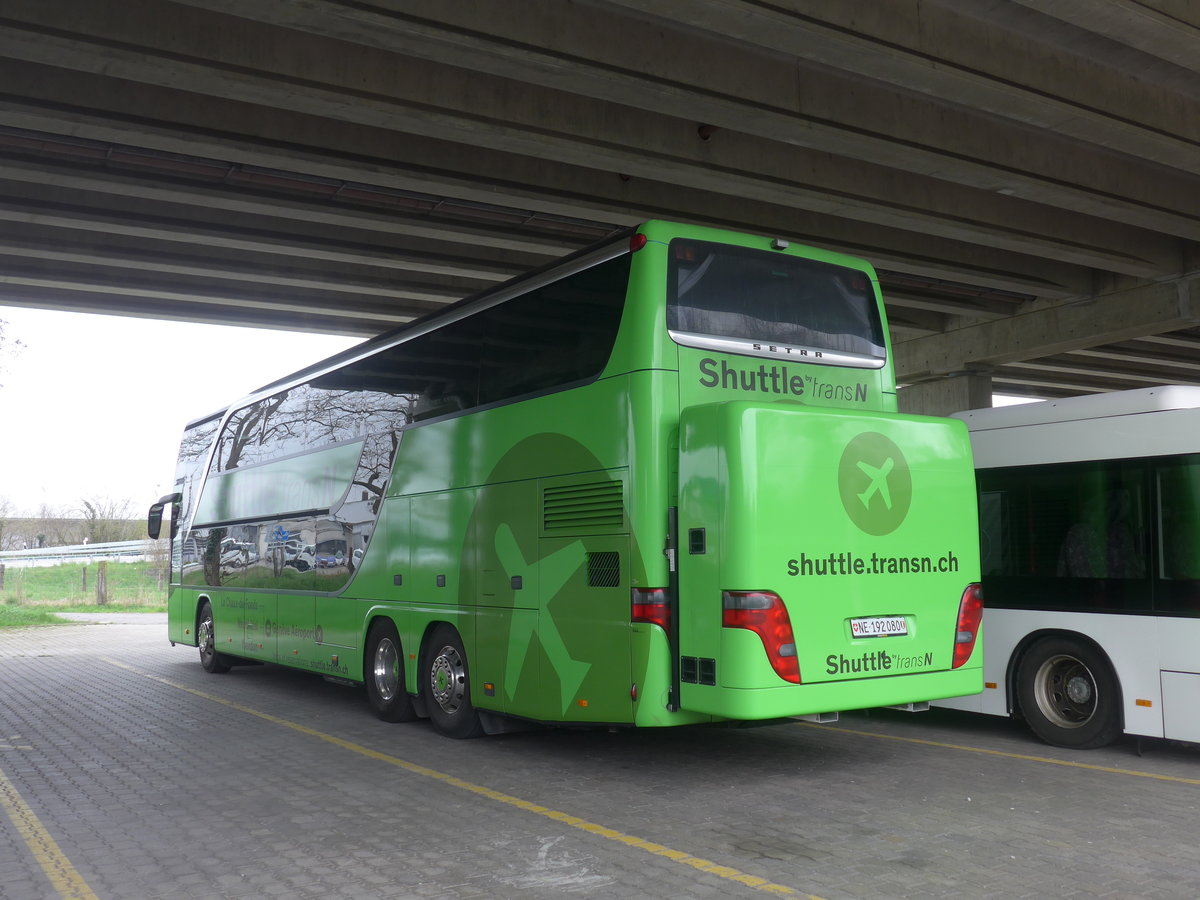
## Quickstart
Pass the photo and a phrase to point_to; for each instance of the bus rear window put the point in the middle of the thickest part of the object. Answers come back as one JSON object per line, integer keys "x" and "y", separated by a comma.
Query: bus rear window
{"x": 733, "y": 298}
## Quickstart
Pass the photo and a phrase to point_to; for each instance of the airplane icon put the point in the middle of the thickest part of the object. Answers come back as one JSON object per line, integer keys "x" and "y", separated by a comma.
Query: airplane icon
{"x": 879, "y": 483}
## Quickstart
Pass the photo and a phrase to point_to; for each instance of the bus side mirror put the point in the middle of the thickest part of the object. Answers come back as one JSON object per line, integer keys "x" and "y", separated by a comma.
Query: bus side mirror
{"x": 155, "y": 516}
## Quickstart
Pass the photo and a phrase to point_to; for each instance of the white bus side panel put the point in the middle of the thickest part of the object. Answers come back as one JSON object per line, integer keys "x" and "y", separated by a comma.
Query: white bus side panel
{"x": 1181, "y": 705}
{"x": 1134, "y": 644}
{"x": 1179, "y": 643}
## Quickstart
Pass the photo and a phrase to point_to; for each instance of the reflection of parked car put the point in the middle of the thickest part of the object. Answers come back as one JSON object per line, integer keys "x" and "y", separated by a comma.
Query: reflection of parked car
{"x": 302, "y": 558}
{"x": 234, "y": 552}
{"x": 331, "y": 554}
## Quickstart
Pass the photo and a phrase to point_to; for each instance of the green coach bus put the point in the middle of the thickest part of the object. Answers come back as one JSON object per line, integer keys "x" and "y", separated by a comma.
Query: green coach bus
{"x": 661, "y": 481}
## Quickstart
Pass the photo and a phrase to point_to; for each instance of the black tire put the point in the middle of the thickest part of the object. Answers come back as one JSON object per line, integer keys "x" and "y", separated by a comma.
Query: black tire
{"x": 212, "y": 661}
{"x": 383, "y": 674}
{"x": 1069, "y": 694}
{"x": 446, "y": 685}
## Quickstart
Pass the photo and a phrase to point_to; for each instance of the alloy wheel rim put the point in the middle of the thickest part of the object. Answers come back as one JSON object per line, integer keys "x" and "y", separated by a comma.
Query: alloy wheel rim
{"x": 448, "y": 679}
{"x": 386, "y": 669}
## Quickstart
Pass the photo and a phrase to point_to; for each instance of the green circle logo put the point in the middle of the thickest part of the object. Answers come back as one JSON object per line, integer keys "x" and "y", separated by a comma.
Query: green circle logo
{"x": 875, "y": 484}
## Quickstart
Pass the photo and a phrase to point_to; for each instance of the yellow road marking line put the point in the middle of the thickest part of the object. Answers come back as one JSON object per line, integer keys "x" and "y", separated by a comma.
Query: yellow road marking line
{"x": 66, "y": 880}
{"x": 1112, "y": 770}
{"x": 703, "y": 865}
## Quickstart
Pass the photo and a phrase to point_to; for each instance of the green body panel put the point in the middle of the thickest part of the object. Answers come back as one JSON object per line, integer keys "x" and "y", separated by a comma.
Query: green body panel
{"x": 525, "y": 526}
{"x": 786, "y": 508}
{"x": 181, "y": 616}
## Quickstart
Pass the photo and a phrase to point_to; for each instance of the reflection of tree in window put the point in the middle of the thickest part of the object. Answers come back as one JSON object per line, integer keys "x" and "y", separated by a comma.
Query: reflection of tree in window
{"x": 193, "y": 451}
{"x": 196, "y": 441}
{"x": 212, "y": 556}
{"x": 251, "y": 429}
{"x": 305, "y": 418}
{"x": 375, "y": 466}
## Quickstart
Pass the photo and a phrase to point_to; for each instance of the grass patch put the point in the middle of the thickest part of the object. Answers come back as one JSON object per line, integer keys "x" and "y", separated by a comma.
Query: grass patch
{"x": 132, "y": 587}
{"x": 24, "y": 616}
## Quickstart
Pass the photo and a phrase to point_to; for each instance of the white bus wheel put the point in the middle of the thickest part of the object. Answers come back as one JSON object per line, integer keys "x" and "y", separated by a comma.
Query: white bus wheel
{"x": 1068, "y": 694}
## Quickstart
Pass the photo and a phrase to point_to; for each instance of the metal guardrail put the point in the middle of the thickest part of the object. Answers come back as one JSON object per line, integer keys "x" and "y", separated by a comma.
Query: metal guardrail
{"x": 114, "y": 551}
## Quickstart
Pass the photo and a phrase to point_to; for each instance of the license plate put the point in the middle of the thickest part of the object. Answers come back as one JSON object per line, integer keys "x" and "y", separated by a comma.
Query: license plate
{"x": 878, "y": 626}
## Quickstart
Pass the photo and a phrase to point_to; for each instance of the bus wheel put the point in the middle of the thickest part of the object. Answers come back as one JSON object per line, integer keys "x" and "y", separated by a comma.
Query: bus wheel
{"x": 383, "y": 673}
{"x": 446, "y": 685}
{"x": 210, "y": 659}
{"x": 1069, "y": 694}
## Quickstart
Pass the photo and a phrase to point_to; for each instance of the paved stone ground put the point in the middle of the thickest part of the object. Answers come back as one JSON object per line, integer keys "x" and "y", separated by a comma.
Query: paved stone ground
{"x": 151, "y": 791}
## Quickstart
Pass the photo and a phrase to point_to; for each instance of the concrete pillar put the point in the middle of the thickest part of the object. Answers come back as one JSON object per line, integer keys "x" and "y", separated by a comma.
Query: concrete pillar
{"x": 946, "y": 395}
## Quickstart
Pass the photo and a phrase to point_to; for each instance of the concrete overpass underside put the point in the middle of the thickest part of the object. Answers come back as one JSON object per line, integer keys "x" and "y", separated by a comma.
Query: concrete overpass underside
{"x": 1025, "y": 174}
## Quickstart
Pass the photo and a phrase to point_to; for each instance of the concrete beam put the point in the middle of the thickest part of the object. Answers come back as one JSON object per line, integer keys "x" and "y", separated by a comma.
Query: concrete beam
{"x": 1088, "y": 322}
{"x": 1055, "y": 385}
{"x": 547, "y": 186}
{"x": 22, "y": 253}
{"x": 598, "y": 53}
{"x": 421, "y": 98}
{"x": 983, "y": 60}
{"x": 965, "y": 307}
{"x": 1142, "y": 356}
{"x": 244, "y": 201}
{"x": 80, "y": 301}
{"x": 157, "y": 232}
{"x": 1167, "y": 29}
{"x": 1063, "y": 366}
{"x": 163, "y": 294}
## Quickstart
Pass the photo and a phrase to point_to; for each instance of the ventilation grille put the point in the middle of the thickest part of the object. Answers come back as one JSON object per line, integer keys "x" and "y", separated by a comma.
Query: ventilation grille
{"x": 604, "y": 569}
{"x": 596, "y": 507}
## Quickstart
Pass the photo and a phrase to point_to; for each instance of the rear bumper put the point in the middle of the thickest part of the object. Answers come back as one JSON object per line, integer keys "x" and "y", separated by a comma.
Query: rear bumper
{"x": 832, "y": 696}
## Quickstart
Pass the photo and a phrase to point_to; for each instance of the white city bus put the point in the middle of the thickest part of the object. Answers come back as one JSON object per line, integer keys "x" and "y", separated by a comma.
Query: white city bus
{"x": 1089, "y": 514}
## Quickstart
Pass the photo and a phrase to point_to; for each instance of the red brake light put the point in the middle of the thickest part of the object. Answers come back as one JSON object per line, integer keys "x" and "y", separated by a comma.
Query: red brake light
{"x": 650, "y": 605}
{"x": 763, "y": 613}
{"x": 637, "y": 242}
{"x": 970, "y": 615}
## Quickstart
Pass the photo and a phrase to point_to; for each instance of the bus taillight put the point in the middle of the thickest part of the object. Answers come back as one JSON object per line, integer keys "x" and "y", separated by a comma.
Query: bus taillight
{"x": 763, "y": 613}
{"x": 650, "y": 606}
{"x": 970, "y": 614}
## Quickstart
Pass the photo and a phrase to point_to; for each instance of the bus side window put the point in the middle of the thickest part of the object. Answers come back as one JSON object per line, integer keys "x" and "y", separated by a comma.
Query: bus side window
{"x": 1102, "y": 544}
{"x": 1179, "y": 521}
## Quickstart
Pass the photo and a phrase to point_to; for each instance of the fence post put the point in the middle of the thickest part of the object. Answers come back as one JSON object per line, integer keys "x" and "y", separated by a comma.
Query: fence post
{"x": 1, "y": 576}
{"x": 85, "y": 579}
{"x": 102, "y": 583}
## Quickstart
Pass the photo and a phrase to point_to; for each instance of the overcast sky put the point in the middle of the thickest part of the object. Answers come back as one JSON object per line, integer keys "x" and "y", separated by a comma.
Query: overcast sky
{"x": 92, "y": 407}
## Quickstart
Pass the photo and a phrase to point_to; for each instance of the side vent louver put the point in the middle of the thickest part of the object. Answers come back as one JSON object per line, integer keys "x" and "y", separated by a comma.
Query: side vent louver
{"x": 604, "y": 569}
{"x": 595, "y": 507}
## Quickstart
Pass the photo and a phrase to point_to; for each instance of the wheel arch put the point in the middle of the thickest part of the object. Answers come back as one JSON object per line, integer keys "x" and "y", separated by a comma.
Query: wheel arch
{"x": 433, "y": 624}
{"x": 1022, "y": 649}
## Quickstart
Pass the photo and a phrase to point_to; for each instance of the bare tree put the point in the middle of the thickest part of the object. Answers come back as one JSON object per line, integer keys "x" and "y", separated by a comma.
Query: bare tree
{"x": 50, "y": 527}
{"x": 6, "y": 516}
{"x": 107, "y": 520}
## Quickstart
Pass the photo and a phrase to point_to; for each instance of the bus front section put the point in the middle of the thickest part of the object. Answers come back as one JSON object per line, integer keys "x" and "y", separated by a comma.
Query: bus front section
{"x": 827, "y": 553}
